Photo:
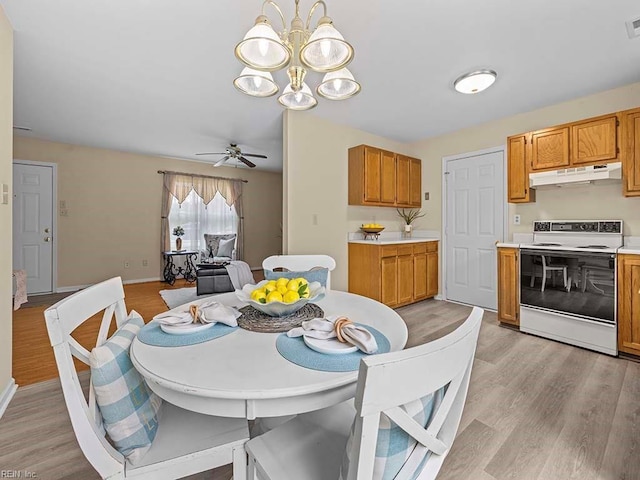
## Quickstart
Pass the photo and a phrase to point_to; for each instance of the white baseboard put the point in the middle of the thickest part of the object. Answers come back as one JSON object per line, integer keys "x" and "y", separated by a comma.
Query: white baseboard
{"x": 439, "y": 297}
{"x": 6, "y": 395}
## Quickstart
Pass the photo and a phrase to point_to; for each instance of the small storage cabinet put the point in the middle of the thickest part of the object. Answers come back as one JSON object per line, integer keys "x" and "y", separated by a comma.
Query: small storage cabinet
{"x": 630, "y": 153}
{"x": 550, "y": 149}
{"x": 629, "y": 303}
{"x": 394, "y": 274}
{"x": 508, "y": 286}
{"x": 518, "y": 170}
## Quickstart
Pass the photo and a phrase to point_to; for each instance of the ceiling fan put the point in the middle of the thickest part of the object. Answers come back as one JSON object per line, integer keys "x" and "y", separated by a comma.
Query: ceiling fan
{"x": 233, "y": 151}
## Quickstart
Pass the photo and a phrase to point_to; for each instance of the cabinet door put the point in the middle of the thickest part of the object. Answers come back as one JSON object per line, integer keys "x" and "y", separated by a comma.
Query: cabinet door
{"x": 388, "y": 177}
{"x": 550, "y": 149}
{"x": 629, "y": 303}
{"x": 517, "y": 171}
{"x": 372, "y": 174}
{"x": 389, "y": 272}
{"x": 415, "y": 182}
{"x": 419, "y": 276}
{"x": 508, "y": 304}
{"x": 432, "y": 274}
{"x": 594, "y": 141}
{"x": 405, "y": 279}
{"x": 630, "y": 154}
{"x": 402, "y": 180}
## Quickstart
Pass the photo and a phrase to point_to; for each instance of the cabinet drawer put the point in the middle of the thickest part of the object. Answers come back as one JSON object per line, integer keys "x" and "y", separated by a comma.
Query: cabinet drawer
{"x": 405, "y": 250}
{"x": 419, "y": 248}
{"x": 432, "y": 246}
{"x": 389, "y": 251}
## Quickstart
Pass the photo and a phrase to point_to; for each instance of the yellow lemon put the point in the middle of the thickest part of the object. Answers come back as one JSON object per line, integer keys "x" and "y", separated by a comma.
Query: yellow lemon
{"x": 274, "y": 296}
{"x": 282, "y": 281}
{"x": 302, "y": 281}
{"x": 259, "y": 295}
{"x": 304, "y": 291}
{"x": 293, "y": 285}
{"x": 291, "y": 296}
{"x": 282, "y": 289}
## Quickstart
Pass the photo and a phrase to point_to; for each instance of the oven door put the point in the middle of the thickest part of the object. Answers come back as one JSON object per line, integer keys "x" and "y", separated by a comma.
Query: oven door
{"x": 579, "y": 284}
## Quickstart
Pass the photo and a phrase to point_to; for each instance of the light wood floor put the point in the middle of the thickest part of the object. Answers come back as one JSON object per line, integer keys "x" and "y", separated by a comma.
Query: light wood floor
{"x": 536, "y": 410}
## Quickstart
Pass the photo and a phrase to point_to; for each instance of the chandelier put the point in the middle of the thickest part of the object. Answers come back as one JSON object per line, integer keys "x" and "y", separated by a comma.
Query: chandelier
{"x": 263, "y": 50}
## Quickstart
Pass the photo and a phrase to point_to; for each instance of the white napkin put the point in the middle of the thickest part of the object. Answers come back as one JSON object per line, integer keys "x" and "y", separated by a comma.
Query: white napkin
{"x": 207, "y": 312}
{"x": 324, "y": 329}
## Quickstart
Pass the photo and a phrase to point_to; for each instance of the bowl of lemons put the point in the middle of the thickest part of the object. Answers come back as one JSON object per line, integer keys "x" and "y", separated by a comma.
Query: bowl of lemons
{"x": 371, "y": 228}
{"x": 282, "y": 296}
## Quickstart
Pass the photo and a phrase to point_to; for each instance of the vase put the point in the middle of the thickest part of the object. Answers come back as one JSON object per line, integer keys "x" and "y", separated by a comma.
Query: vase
{"x": 178, "y": 244}
{"x": 407, "y": 231}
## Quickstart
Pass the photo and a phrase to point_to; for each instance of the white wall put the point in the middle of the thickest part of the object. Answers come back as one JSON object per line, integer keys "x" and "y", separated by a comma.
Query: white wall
{"x": 6, "y": 177}
{"x": 315, "y": 184}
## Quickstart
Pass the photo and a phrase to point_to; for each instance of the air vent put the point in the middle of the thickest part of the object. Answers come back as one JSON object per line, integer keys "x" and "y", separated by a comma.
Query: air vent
{"x": 633, "y": 28}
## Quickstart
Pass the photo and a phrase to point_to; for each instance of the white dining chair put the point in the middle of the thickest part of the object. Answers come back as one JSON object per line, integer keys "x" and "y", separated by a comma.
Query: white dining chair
{"x": 312, "y": 446}
{"x": 301, "y": 263}
{"x": 186, "y": 443}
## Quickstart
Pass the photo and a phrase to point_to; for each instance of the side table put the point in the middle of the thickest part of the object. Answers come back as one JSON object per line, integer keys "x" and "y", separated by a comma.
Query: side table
{"x": 171, "y": 270}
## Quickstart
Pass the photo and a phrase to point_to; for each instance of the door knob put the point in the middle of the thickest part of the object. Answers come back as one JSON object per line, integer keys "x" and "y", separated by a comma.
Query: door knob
{"x": 47, "y": 239}
{"x": 46, "y": 230}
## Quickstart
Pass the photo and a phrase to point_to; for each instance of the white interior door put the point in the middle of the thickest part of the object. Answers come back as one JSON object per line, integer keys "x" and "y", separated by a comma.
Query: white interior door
{"x": 474, "y": 189}
{"x": 33, "y": 225}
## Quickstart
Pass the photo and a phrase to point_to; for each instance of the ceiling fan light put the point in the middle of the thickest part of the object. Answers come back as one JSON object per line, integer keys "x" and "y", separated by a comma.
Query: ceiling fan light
{"x": 256, "y": 83}
{"x": 338, "y": 85}
{"x": 262, "y": 49}
{"x": 475, "y": 82}
{"x": 326, "y": 50}
{"x": 300, "y": 100}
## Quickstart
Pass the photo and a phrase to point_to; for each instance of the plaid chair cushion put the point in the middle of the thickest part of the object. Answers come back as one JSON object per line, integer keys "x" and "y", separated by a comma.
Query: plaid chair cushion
{"x": 395, "y": 446}
{"x": 129, "y": 409}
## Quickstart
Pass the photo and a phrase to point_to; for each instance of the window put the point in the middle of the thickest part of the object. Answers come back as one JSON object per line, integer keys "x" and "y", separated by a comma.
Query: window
{"x": 196, "y": 219}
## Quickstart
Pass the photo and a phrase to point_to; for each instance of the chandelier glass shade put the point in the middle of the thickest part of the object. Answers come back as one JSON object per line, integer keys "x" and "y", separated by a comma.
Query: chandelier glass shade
{"x": 297, "y": 49}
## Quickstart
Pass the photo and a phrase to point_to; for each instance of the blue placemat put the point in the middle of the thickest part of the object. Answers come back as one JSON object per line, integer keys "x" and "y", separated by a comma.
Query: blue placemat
{"x": 296, "y": 351}
{"x": 151, "y": 334}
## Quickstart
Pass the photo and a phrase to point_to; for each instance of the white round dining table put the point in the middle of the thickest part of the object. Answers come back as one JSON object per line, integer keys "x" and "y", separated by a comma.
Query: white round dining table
{"x": 242, "y": 375}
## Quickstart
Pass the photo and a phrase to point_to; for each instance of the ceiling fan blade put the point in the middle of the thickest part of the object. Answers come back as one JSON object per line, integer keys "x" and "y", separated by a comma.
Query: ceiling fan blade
{"x": 254, "y": 155}
{"x": 219, "y": 153}
{"x": 221, "y": 161}
{"x": 246, "y": 162}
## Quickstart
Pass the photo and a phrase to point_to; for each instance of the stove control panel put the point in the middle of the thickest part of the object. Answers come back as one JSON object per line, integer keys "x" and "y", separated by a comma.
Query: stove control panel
{"x": 591, "y": 226}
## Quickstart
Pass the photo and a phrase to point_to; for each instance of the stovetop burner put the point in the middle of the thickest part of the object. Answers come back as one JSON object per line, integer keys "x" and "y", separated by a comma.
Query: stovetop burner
{"x": 546, "y": 244}
{"x": 592, "y": 246}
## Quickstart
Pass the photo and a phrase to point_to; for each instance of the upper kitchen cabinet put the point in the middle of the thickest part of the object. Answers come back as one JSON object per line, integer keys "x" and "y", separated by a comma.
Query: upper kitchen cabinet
{"x": 630, "y": 154}
{"x": 381, "y": 178}
{"x": 594, "y": 140}
{"x": 518, "y": 171}
{"x": 550, "y": 149}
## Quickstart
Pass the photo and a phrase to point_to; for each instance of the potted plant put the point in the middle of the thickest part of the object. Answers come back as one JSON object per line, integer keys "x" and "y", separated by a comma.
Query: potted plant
{"x": 409, "y": 217}
{"x": 178, "y": 232}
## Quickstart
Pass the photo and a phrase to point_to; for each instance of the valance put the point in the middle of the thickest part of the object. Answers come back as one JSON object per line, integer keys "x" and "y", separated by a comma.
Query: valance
{"x": 180, "y": 185}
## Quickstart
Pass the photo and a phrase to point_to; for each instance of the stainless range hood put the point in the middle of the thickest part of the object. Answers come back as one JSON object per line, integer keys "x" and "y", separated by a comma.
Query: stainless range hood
{"x": 610, "y": 172}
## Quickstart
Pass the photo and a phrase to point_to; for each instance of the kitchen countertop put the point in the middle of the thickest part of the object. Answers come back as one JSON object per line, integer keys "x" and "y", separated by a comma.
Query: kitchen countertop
{"x": 396, "y": 241}
{"x": 630, "y": 250}
{"x": 507, "y": 245}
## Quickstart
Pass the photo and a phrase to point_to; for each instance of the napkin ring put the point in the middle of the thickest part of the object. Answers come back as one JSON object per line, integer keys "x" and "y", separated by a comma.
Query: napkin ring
{"x": 338, "y": 325}
{"x": 193, "y": 310}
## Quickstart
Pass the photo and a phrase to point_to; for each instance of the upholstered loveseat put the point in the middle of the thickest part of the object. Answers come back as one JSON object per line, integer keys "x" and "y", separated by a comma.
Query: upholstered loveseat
{"x": 219, "y": 248}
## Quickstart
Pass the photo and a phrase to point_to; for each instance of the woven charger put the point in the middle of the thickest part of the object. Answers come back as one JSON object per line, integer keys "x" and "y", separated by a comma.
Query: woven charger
{"x": 256, "y": 321}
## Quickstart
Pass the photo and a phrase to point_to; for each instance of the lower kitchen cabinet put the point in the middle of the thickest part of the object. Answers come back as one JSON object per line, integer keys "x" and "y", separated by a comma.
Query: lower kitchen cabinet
{"x": 508, "y": 286}
{"x": 629, "y": 304}
{"x": 394, "y": 274}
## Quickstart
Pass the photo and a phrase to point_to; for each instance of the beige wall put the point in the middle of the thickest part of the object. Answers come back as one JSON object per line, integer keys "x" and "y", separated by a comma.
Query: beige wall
{"x": 113, "y": 204}
{"x": 6, "y": 140}
{"x": 586, "y": 202}
{"x": 315, "y": 183}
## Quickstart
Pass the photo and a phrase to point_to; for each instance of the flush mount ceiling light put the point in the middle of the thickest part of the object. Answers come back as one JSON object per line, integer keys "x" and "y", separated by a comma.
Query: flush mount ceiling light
{"x": 475, "y": 82}
{"x": 323, "y": 50}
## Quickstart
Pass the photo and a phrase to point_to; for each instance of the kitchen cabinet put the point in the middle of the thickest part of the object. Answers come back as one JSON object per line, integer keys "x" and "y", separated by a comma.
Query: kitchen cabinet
{"x": 394, "y": 274}
{"x": 378, "y": 177}
{"x": 594, "y": 140}
{"x": 629, "y": 304}
{"x": 508, "y": 286}
{"x": 630, "y": 153}
{"x": 518, "y": 190}
{"x": 550, "y": 149}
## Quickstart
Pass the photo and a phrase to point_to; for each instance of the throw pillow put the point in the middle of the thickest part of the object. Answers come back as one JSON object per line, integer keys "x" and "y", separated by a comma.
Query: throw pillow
{"x": 316, "y": 274}
{"x": 394, "y": 445}
{"x": 225, "y": 248}
{"x": 129, "y": 409}
{"x": 212, "y": 241}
